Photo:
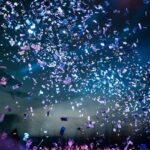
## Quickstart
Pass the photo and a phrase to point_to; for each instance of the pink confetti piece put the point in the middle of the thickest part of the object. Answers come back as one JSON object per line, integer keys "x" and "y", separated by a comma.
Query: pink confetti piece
{"x": 3, "y": 81}
{"x": 25, "y": 48}
{"x": 36, "y": 47}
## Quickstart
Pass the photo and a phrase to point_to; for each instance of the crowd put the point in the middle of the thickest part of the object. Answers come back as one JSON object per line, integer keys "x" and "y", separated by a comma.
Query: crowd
{"x": 12, "y": 142}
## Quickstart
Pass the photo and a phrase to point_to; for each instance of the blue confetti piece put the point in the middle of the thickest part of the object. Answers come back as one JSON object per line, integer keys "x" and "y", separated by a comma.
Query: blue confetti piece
{"x": 126, "y": 29}
{"x": 28, "y": 22}
{"x": 17, "y": 27}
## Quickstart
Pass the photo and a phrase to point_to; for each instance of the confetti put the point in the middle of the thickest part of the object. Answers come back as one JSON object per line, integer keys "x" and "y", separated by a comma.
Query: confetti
{"x": 66, "y": 50}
